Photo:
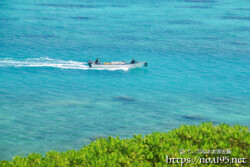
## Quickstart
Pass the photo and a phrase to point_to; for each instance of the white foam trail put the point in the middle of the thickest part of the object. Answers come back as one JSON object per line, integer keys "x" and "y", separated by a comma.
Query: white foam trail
{"x": 47, "y": 62}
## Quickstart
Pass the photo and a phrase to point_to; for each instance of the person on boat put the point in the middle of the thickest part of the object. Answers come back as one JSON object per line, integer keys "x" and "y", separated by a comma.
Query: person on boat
{"x": 97, "y": 61}
{"x": 133, "y": 61}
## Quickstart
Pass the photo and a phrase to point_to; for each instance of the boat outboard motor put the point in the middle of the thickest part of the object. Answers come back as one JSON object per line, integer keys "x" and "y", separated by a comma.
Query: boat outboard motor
{"x": 145, "y": 64}
{"x": 90, "y": 63}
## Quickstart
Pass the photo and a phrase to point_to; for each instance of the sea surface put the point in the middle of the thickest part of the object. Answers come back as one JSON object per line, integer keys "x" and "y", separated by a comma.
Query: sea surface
{"x": 198, "y": 54}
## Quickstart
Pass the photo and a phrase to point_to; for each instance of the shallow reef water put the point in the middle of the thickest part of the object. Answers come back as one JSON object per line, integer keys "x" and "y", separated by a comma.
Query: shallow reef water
{"x": 198, "y": 69}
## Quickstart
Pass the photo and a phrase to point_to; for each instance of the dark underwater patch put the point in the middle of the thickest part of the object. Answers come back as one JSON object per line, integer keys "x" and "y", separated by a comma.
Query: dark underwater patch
{"x": 242, "y": 29}
{"x": 40, "y": 137}
{"x": 124, "y": 99}
{"x": 185, "y": 22}
{"x": 193, "y": 117}
{"x": 219, "y": 100}
{"x": 43, "y": 18}
{"x": 243, "y": 9}
{"x": 233, "y": 17}
{"x": 69, "y": 5}
{"x": 81, "y": 18}
{"x": 9, "y": 19}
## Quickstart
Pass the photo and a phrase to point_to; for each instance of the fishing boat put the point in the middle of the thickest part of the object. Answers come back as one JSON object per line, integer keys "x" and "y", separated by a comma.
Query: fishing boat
{"x": 117, "y": 64}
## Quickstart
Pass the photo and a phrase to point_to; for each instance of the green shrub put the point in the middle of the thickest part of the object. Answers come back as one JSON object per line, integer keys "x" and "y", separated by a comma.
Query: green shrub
{"x": 150, "y": 150}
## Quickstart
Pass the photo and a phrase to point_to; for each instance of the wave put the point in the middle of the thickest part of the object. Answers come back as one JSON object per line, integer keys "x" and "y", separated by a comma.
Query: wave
{"x": 47, "y": 62}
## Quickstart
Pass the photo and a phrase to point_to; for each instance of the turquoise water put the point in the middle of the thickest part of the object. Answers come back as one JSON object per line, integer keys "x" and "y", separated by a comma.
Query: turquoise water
{"x": 198, "y": 53}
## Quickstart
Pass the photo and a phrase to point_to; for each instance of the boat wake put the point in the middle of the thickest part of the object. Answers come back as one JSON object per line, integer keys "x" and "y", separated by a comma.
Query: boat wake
{"x": 47, "y": 62}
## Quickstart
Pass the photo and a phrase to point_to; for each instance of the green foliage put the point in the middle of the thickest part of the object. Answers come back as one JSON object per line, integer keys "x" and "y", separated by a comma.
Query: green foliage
{"x": 150, "y": 150}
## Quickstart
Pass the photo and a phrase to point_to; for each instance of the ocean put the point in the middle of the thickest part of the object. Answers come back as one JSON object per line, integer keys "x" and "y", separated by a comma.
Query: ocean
{"x": 198, "y": 54}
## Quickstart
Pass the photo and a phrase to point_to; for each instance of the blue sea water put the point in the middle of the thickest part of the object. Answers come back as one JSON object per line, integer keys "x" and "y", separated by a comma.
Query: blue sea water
{"x": 198, "y": 53}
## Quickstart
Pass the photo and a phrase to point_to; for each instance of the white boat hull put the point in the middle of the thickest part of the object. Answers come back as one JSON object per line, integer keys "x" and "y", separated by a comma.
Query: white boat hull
{"x": 124, "y": 65}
